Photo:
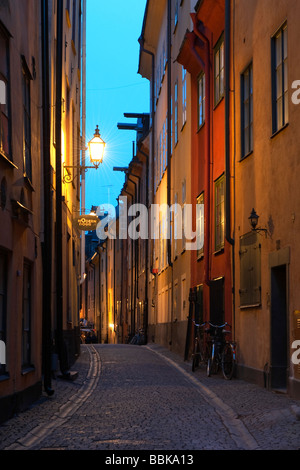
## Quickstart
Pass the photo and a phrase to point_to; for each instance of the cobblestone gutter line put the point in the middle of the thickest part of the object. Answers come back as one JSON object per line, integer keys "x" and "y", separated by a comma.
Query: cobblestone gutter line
{"x": 236, "y": 428}
{"x": 42, "y": 431}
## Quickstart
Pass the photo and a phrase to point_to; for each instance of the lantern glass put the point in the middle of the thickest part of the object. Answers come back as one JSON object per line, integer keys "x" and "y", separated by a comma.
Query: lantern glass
{"x": 96, "y": 148}
{"x": 253, "y": 219}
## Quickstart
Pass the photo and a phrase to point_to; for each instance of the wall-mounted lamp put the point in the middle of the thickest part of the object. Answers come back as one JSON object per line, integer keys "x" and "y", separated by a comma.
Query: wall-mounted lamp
{"x": 96, "y": 150}
{"x": 253, "y": 219}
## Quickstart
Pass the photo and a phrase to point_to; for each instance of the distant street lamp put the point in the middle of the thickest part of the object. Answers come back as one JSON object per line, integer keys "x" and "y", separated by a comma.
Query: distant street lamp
{"x": 96, "y": 148}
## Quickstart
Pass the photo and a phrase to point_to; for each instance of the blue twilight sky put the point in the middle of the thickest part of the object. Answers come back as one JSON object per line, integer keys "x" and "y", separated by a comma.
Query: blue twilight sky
{"x": 114, "y": 87}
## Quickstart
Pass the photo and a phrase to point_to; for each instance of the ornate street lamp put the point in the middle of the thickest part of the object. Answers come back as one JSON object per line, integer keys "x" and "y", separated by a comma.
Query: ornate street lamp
{"x": 253, "y": 219}
{"x": 96, "y": 148}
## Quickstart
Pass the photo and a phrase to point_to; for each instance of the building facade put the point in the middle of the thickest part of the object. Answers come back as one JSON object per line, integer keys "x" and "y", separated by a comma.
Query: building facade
{"x": 266, "y": 159}
{"x": 21, "y": 210}
{"x": 39, "y": 251}
{"x": 164, "y": 27}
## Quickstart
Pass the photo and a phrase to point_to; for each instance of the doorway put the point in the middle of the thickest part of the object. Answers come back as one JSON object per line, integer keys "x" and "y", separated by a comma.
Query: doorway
{"x": 279, "y": 328}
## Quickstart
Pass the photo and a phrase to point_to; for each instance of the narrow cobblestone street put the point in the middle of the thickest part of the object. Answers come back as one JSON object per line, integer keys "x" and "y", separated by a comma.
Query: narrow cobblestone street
{"x": 146, "y": 398}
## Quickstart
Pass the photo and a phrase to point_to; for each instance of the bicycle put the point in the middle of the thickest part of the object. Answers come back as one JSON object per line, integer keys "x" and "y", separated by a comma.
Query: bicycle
{"x": 222, "y": 352}
{"x": 200, "y": 351}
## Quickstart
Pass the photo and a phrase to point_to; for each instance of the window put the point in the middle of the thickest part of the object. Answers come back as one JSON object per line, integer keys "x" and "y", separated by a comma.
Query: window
{"x": 176, "y": 224}
{"x": 26, "y": 316}
{"x": 219, "y": 213}
{"x": 250, "y": 271}
{"x": 247, "y": 111}
{"x": 5, "y": 117}
{"x": 74, "y": 23}
{"x": 183, "y": 96}
{"x": 3, "y": 301}
{"x": 183, "y": 197}
{"x": 200, "y": 225}
{"x": 26, "y": 123}
{"x": 219, "y": 71}
{"x": 176, "y": 13}
{"x": 176, "y": 113}
{"x": 280, "y": 79}
{"x": 201, "y": 100}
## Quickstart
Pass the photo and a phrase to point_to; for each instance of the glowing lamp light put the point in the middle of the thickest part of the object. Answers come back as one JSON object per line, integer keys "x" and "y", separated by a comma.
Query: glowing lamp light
{"x": 96, "y": 148}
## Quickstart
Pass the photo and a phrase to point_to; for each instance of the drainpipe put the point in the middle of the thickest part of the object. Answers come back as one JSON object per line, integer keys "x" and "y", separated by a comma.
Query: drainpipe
{"x": 207, "y": 192}
{"x": 47, "y": 245}
{"x": 141, "y": 42}
{"x": 229, "y": 238}
{"x": 83, "y": 124}
{"x": 227, "y": 121}
{"x": 131, "y": 295}
{"x": 169, "y": 136}
{"x": 147, "y": 245}
{"x": 59, "y": 250}
{"x": 134, "y": 242}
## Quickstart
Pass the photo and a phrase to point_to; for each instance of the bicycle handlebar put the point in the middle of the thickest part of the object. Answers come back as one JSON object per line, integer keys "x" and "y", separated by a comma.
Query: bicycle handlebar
{"x": 198, "y": 324}
{"x": 219, "y": 326}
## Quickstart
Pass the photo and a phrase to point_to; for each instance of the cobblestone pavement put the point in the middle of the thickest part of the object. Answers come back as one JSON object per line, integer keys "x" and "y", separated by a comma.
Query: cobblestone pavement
{"x": 130, "y": 397}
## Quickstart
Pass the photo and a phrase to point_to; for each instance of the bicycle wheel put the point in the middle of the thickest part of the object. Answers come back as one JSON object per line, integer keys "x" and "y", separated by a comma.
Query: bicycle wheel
{"x": 228, "y": 362}
{"x": 212, "y": 366}
{"x": 195, "y": 358}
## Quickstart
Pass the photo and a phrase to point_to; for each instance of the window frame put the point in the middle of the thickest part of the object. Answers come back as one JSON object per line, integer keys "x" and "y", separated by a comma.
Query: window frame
{"x": 184, "y": 95}
{"x": 26, "y": 104}
{"x": 3, "y": 295}
{"x": 221, "y": 71}
{"x": 201, "y": 100}
{"x": 27, "y": 317}
{"x": 245, "y": 152}
{"x": 220, "y": 243}
{"x": 176, "y": 113}
{"x": 6, "y": 108}
{"x": 200, "y": 225}
{"x": 276, "y": 127}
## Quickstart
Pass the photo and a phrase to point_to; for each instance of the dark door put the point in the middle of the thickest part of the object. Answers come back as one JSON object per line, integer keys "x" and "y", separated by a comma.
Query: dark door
{"x": 217, "y": 313}
{"x": 279, "y": 356}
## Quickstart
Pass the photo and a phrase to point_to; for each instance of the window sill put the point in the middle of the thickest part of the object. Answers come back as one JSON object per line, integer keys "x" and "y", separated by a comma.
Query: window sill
{"x": 200, "y": 127}
{"x": 246, "y": 156}
{"x": 68, "y": 18}
{"x": 28, "y": 183}
{"x": 219, "y": 251}
{"x": 218, "y": 102}
{"x": 243, "y": 307}
{"x": 279, "y": 130}
{"x": 73, "y": 48}
{"x": 28, "y": 370}
{"x": 5, "y": 159}
{"x": 4, "y": 377}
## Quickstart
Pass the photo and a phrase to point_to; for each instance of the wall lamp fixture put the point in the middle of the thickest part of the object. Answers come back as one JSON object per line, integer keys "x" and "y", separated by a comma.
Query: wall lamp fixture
{"x": 253, "y": 219}
{"x": 96, "y": 148}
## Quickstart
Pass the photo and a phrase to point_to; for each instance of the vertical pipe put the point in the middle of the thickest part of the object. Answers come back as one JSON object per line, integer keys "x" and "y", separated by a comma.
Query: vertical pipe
{"x": 169, "y": 135}
{"x": 59, "y": 237}
{"x": 227, "y": 122}
{"x": 207, "y": 191}
{"x": 83, "y": 123}
{"x": 47, "y": 245}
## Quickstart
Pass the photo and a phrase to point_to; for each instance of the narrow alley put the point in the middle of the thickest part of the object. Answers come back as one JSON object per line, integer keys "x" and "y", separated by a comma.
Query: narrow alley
{"x": 134, "y": 398}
